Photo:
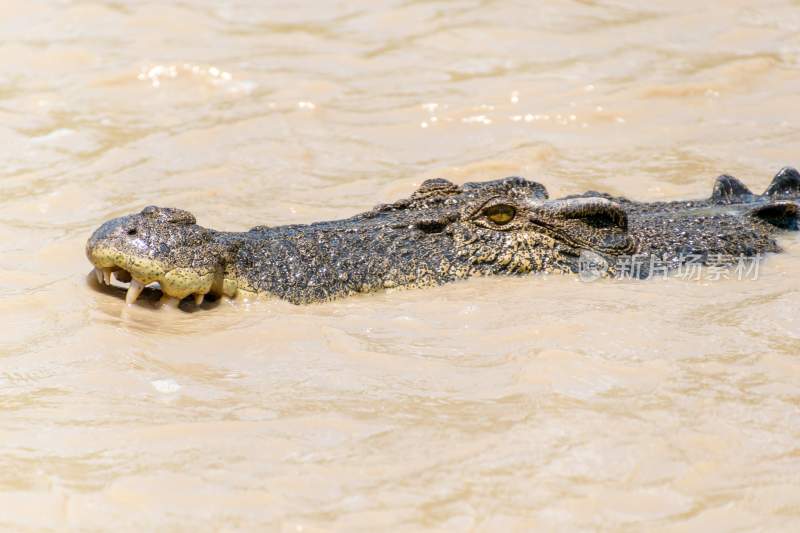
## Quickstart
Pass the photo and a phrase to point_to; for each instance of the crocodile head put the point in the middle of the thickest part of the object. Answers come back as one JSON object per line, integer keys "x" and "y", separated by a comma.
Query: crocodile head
{"x": 440, "y": 233}
{"x": 161, "y": 245}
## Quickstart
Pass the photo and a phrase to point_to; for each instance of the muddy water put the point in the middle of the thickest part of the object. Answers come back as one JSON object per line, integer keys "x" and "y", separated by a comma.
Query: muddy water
{"x": 494, "y": 404}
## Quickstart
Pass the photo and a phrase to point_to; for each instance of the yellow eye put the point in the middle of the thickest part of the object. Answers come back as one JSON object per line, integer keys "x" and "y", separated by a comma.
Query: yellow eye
{"x": 500, "y": 213}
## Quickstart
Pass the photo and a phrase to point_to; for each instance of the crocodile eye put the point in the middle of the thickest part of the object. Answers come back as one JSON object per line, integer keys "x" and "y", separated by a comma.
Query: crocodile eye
{"x": 132, "y": 231}
{"x": 500, "y": 214}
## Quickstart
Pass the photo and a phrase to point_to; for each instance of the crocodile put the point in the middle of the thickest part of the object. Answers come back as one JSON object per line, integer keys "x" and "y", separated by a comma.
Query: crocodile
{"x": 441, "y": 233}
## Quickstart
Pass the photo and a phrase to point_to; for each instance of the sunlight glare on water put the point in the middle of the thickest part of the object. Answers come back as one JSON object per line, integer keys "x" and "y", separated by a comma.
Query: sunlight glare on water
{"x": 541, "y": 402}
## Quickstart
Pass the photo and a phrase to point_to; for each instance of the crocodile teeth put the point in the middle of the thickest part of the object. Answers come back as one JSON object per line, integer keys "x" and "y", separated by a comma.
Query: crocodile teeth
{"x": 99, "y": 275}
{"x": 198, "y": 298}
{"x": 133, "y": 291}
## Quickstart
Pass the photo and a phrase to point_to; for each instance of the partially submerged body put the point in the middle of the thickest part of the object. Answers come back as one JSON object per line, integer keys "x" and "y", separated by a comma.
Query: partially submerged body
{"x": 442, "y": 233}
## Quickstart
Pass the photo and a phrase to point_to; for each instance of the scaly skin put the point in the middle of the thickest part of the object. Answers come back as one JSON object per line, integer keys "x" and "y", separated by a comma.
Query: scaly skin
{"x": 442, "y": 233}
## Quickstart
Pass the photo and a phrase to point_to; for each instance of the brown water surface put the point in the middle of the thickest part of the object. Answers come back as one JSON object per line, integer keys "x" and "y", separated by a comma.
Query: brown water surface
{"x": 492, "y": 404}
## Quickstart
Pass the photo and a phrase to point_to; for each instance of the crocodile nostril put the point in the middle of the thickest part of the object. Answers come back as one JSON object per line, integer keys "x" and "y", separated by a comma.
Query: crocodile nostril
{"x": 132, "y": 231}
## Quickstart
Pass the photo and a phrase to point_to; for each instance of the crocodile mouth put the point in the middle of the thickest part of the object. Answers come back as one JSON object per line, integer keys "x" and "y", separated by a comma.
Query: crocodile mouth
{"x": 111, "y": 266}
{"x": 119, "y": 278}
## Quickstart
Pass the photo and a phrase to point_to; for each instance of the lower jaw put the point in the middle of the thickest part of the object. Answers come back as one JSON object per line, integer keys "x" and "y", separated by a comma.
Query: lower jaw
{"x": 176, "y": 284}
